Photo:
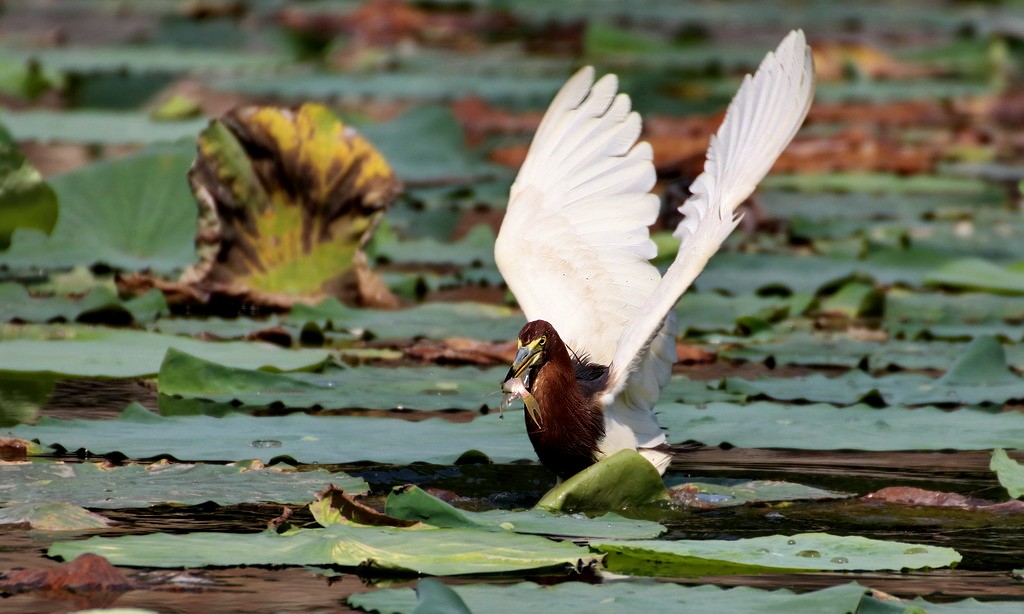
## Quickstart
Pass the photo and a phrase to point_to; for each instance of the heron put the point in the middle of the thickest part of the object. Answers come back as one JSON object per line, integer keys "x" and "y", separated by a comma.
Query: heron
{"x": 574, "y": 248}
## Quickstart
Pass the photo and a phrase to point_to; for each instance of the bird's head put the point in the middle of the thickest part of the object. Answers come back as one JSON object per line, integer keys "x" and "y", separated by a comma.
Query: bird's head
{"x": 536, "y": 342}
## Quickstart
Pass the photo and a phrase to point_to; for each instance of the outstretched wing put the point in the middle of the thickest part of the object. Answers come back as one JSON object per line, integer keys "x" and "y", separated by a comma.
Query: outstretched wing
{"x": 761, "y": 120}
{"x": 574, "y": 245}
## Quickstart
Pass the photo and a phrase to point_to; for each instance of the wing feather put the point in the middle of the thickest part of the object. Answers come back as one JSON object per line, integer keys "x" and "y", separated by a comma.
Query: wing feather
{"x": 574, "y": 245}
{"x": 761, "y": 120}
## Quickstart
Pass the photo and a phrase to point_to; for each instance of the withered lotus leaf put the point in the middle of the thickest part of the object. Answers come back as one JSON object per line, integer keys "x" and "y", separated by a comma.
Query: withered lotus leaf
{"x": 288, "y": 199}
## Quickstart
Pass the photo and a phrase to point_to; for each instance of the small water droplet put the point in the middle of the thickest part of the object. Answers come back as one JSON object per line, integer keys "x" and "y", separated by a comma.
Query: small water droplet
{"x": 916, "y": 550}
{"x": 763, "y": 551}
{"x": 791, "y": 542}
{"x": 809, "y": 554}
{"x": 842, "y": 560}
{"x": 266, "y": 443}
{"x": 774, "y": 516}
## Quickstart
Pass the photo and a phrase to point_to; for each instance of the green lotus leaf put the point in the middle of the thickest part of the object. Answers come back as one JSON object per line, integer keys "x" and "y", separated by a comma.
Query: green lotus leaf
{"x": 94, "y": 486}
{"x": 132, "y": 213}
{"x": 85, "y": 351}
{"x": 412, "y": 503}
{"x": 1009, "y": 472}
{"x": 26, "y": 201}
{"x": 438, "y": 552}
{"x": 621, "y": 481}
{"x": 358, "y": 388}
{"x": 806, "y": 552}
{"x": 141, "y": 434}
{"x": 52, "y": 516}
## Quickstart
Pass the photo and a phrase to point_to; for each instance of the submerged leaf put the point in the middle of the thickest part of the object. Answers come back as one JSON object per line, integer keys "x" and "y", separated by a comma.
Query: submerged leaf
{"x": 623, "y": 480}
{"x": 289, "y": 198}
{"x": 438, "y": 552}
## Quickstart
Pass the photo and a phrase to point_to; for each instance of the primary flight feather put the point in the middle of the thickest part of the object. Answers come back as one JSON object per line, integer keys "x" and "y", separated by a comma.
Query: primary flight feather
{"x": 574, "y": 248}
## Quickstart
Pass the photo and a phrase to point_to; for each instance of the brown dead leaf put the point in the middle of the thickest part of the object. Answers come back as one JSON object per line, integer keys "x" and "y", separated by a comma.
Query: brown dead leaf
{"x": 460, "y": 350}
{"x": 353, "y": 510}
{"x": 88, "y": 572}
{"x": 694, "y": 355}
{"x": 836, "y": 60}
{"x": 480, "y": 119}
{"x": 906, "y": 495}
{"x": 13, "y": 449}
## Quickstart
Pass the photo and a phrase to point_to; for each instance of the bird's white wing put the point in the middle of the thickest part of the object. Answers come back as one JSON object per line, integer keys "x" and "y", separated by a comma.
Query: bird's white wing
{"x": 761, "y": 120}
{"x": 574, "y": 245}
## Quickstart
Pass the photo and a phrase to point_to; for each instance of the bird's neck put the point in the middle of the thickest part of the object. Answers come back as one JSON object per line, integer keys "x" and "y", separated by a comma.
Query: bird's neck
{"x": 572, "y": 424}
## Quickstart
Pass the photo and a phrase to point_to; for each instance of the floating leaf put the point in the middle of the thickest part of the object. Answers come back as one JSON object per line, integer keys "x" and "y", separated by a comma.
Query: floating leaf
{"x": 139, "y": 434}
{"x": 289, "y": 199}
{"x": 583, "y": 598}
{"x": 623, "y": 480}
{"x": 860, "y": 427}
{"x": 95, "y": 486}
{"x": 728, "y": 492}
{"x": 430, "y": 320}
{"x": 1009, "y": 472}
{"x": 99, "y": 304}
{"x": 50, "y": 516}
{"x": 412, "y": 503}
{"x": 438, "y": 552}
{"x": 980, "y": 375}
{"x": 132, "y": 213}
{"x": 806, "y": 551}
{"x": 428, "y": 388}
{"x": 84, "y": 351}
{"x": 26, "y": 201}
{"x": 98, "y": 127}
{"x": 977, "y": 274}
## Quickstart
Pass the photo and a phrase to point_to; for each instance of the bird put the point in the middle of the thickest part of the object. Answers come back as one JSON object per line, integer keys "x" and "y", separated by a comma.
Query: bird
{"x": 574, "y": 249}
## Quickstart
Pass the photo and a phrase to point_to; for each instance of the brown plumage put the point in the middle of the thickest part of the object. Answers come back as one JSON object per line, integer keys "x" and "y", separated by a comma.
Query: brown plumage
{"x": 566, "y": 387}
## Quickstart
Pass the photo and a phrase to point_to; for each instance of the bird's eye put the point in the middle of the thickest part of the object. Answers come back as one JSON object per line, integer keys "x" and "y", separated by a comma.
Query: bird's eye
{"x": 542, "y": 341}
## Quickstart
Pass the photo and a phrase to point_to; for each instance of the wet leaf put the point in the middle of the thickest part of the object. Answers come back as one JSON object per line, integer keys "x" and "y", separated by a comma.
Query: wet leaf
{"x": 334, "y": 506}
{"x": 977, "y": 274}
{"x": 98, "y": 127}
{"x": 774, "y": 425}
{"x": 49, "y": 516}
{"x": 412, "y": 503}
{"x": 26, "y": 201}
{"x": 428, "y": 551}
{"x": 807, "y": 551}
{"x": 362, "y": 388}
{"x": 133, "y": 213}
{"x": 83, "y": 351}
{"x": 621, "y": 481}
{"x": 99, "y": 304}
{"x": 289, "y": 198}
{"x": 980, "y": 375}
{"x": 430, "y": 320}
{"x": 728, "y": 492}
{"x": 583, "y": 598}
{"x": 139, "y": 434}
{"x": 1009, "y": 472}
{"x": 96, "y": 486}
{"x": 433, "y": 597}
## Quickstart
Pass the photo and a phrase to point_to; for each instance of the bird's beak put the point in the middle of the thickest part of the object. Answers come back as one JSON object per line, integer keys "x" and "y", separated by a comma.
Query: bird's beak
{"x": 526, "y": 357}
